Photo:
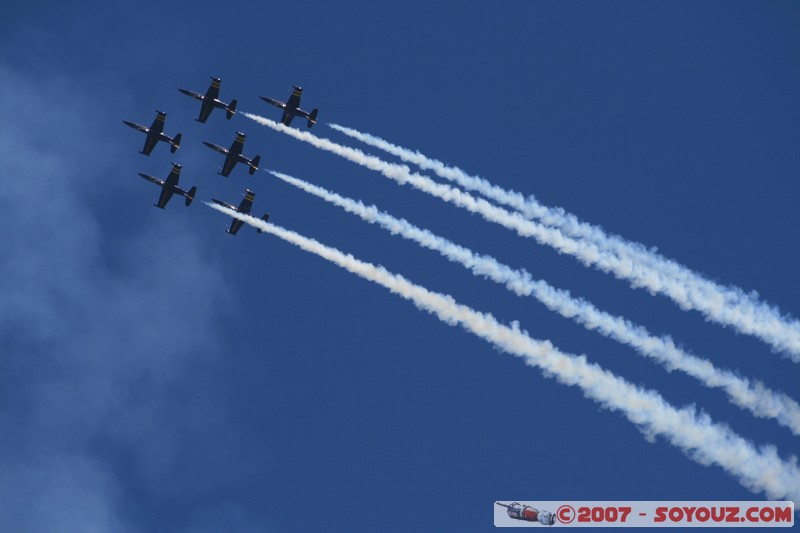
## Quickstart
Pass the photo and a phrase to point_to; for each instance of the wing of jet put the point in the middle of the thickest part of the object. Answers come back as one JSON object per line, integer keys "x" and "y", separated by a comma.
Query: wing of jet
{"x": 244, "y": 208}
{"x": 292, "y": 107}
{"x": 170, "y": 187}
{"x": 247, "y": 202}
{"x": 294, "y": 102}
{"x": 155, "y": 133}
{"x": 211, "y": 100}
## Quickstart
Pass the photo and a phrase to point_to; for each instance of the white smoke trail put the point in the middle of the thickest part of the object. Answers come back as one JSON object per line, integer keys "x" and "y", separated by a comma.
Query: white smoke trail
{"x": 755, "y": 396}
{"x": 752, "y": 316}
{"x": 746, "y": 316}
{"x": 707, "y": 442}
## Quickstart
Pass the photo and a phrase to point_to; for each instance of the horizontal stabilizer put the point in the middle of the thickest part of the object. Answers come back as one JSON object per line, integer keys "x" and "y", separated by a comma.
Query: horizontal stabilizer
{"x": 265, "y": 218}
{"x": 254, "y": 164}
{"x": 231, "y": 109}
{"x": 190, "y": 196}
{"x": 176, "y": 143}
{"x": 151, "y": 178}
{"x": 312, "y": 118}
{"x": 276, "y": 103}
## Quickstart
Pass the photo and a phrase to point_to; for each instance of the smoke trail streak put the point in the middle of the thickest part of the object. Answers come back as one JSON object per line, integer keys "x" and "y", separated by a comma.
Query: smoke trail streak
{"x": 734, "y": 297}
{"x": 688, "y": 292}
{"x": 755, "y": 396}
{"x": 707, "y": 442}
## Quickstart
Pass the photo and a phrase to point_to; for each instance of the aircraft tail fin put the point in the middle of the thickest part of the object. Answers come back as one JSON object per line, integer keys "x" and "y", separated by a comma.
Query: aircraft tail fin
{"x": 312, "y": 117}
{"x": 265, "y": 218}
{"x": 190, "y": 196}
{"x": 231, "y": 110}
{"x": 254, "y": 164}
{"x": 176, "y": 143}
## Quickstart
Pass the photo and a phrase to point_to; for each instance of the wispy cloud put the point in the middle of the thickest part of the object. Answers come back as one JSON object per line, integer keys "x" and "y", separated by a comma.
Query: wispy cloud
{"x": 760, "y": 470}
{"x": 88, "y": 321}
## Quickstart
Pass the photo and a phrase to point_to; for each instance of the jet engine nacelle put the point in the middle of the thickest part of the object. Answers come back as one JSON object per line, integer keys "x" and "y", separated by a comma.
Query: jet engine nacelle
{"x": 530, "y": 514}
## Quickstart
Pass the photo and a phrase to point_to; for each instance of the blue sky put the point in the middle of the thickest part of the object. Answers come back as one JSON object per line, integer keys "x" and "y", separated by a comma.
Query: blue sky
{"x": 159, "y": 374}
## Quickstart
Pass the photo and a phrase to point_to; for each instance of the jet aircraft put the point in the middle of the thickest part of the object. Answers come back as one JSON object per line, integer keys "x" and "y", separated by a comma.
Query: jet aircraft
{"x": 155, "y": 133}
{"x": 234, "y": 155}
{"x": 243, "y": 208}
{"x": 292, "y": 107}
{"x": 170, "y": 187}
{"x": 211, "y": 100}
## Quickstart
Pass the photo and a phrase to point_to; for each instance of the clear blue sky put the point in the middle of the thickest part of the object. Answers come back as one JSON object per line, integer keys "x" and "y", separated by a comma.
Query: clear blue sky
{"x": 159, "y": 375}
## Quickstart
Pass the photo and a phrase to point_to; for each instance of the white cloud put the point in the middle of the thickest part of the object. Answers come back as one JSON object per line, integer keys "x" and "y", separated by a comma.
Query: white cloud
{"x": 99, "y": 320}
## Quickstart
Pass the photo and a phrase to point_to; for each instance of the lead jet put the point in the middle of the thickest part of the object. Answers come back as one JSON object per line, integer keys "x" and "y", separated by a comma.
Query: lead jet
{"x": 234, "y": 155}
{"x": 170, "y": 187}
{"x": 292, "y": 107}
{"x": 156, "y": 133}
{"x": 211, "y": 100}
{"x": 243, "y": 208}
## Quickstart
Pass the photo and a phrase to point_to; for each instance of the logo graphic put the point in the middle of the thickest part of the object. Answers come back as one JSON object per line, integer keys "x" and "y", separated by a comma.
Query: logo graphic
{"x": 529, "y": 514}
{"x": 707, "y": 513}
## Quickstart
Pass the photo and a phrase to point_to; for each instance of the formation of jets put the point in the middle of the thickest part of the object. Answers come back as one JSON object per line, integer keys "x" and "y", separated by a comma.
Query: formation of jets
{"x": 233, "y": 155}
